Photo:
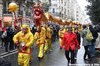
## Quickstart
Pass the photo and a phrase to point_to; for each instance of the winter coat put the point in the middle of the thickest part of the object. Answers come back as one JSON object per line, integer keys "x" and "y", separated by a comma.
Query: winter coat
{"x": 94, "y": 34}
{"x": 70, "y": 41}
{"x": 78, "y": 37}
{"x": 85, "y": 42}
{"x": 40, "y": 36}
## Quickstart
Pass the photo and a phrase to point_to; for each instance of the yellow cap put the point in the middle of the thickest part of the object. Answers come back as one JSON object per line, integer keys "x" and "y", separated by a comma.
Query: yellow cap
{"x": 24, "y": 26}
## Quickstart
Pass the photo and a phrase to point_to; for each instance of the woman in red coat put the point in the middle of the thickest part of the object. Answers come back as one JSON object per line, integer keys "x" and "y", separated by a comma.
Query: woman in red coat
{"x": 70, "y": 43}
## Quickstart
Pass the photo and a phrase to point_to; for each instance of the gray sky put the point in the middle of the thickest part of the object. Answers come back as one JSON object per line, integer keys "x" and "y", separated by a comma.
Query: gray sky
{"x": 82, "y": 4}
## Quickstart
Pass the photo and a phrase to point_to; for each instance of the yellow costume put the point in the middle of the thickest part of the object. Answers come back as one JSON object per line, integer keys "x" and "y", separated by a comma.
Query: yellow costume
{"x": 24, "y": 41}
{"x": 40, "y": 41}
{"x": 61, "y": 34}
{"x": 48, "y": 46}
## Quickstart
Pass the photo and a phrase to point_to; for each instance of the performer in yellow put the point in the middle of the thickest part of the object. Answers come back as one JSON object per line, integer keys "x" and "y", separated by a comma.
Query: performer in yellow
{"x": 40, "y": 41}
{"x": 61, "y": 34}
{"x": 24, "y": 41}
{"x": 48, "y": 46}
{"x": 65, "y": 29}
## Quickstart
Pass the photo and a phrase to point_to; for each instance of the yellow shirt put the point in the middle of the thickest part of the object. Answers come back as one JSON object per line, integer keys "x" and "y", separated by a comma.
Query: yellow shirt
{"x": 27, "y": 38}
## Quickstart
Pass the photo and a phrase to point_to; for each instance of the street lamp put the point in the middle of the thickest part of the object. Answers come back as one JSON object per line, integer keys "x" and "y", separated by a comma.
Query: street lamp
{"x": 13, "y": 7}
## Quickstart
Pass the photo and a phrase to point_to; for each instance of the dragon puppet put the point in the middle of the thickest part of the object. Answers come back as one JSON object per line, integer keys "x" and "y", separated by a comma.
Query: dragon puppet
{"x": 40, "y": 16}
{"x": 38, "y": 13}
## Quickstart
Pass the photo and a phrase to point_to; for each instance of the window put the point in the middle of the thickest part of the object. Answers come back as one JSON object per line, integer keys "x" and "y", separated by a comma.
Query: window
{"x": 77, "y": 19}
{"x": 64, "y": 3}
{"x": 65, "y": 12}
{"x": 53, "y": 10}
{"x": 59, "y": 7}
{"x": 76, "y": 15}
{"x": 61, "y": 1}
{"x": 55, "y": 4}
{"x": 62, "y": 9}
{"x": 76, "y": 11}
{"x": 5, "y": 6}
{"x": 68, "y": 11}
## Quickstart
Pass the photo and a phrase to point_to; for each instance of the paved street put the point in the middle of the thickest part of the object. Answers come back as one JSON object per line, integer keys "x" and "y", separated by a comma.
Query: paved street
{"x": 54, "y": 58}
{"x": 25, "y": 21}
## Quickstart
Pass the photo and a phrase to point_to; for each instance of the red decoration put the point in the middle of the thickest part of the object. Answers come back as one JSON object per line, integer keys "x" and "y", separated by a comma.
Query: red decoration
{"x": 38, "y": 14}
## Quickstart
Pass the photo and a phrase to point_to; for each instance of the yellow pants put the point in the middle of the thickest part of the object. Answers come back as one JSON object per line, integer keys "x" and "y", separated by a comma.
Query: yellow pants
{"x": 60, "y": 42}
{"x": 41, "y": 51}
{"x": 23, "y": 59}
{"x": 48, "y": 45}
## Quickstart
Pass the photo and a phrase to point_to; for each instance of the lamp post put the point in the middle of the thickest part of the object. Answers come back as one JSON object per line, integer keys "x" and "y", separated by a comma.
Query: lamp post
{"x": 13, "y": 7}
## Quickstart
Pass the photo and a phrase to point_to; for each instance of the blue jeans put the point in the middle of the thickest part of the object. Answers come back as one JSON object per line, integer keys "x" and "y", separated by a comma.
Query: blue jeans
{"x": 92, "y": 50}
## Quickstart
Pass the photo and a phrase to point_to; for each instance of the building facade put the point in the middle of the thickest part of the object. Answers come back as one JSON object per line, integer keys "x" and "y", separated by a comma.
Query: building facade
{"x": 46, "y": 1}
{"x": 67, "y": 9}
{"x": 54, "y": 8}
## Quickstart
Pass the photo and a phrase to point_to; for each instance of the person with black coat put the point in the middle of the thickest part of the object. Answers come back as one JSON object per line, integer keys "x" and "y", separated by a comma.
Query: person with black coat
{"x": 10, "y": 35}
{"x": 34, "y": 29}
{"x": 78, "y": 38}
{"x": 92, "y": 45}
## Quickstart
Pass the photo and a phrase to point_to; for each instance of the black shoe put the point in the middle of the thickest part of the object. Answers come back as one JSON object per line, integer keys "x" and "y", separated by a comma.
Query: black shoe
{"x": 85, "y": 58}
{"x": 6, "y": 51}
{"x": 68, "y": 61}
{"x": 73, "y": 62}
{"x": 60, "y": 48}
{"x": 40, "y": 58}
{"x": 30, "y": 61}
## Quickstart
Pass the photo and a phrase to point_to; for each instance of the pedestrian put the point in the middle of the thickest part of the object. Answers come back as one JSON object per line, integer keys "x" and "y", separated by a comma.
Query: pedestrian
{"x": 54, "y": 33}
{"x": 10, "y": 35}
{"x": 92, "y": 45}
{"x": 24, "y": 41}
{"x": 5, "y": 40}
{"x": 70, "y": 43}
{"x": 34, "y": 29}
{"x": 57, "y": 28}
{"x": 85, "y": 43}
{"x": 1, "y": 45}
{"x": 78, "y": 38}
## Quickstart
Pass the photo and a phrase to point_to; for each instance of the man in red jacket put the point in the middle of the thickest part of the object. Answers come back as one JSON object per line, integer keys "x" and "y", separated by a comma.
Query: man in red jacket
{"x": 69, "y": 43}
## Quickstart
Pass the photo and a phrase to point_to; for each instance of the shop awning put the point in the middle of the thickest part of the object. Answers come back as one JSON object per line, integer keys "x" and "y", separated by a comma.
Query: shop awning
{"x": 7, "y": 19}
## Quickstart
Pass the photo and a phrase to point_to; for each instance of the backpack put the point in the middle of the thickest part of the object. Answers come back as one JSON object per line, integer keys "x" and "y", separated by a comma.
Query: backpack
{"x": 4, "y": 34}
{"x": 89, "y": 36}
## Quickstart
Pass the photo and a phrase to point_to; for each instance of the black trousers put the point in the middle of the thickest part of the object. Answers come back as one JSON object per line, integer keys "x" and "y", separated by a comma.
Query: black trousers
{"x": 72, "y": 56}
{"x": 6, "y": 45}
{"x": 86, "y": 52}
{"x": 11, "y": 46}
